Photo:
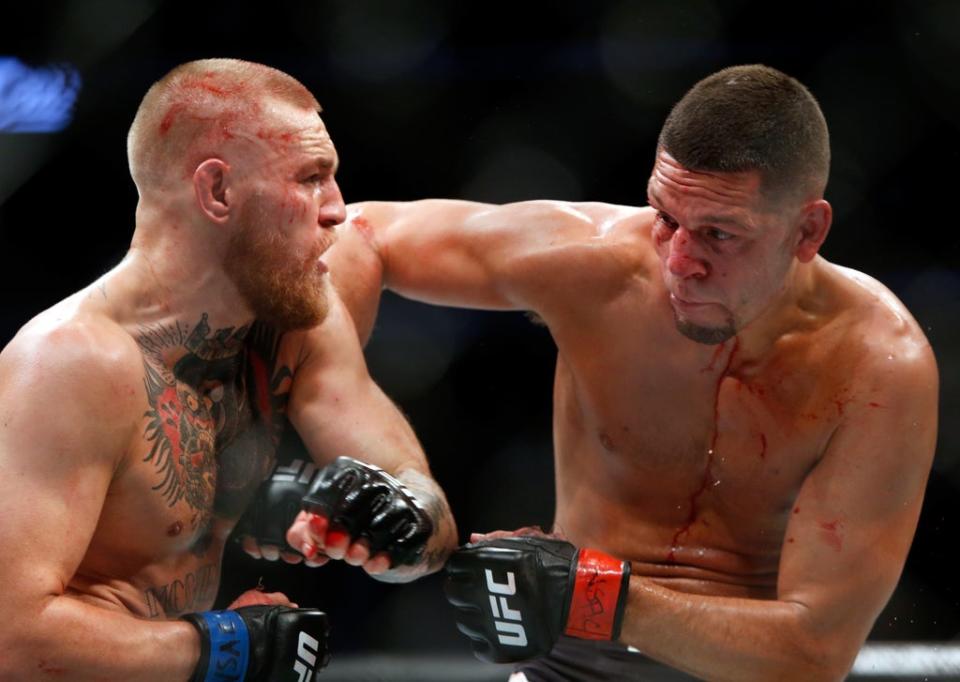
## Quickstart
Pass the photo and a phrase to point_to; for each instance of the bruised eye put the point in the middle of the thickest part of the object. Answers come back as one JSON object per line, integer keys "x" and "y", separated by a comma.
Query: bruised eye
{"x": 315, "y": 178}
{"x": 667, "y": 221}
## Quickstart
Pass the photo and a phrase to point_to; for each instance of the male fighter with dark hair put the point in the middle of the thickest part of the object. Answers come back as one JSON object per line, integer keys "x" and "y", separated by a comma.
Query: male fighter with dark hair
{"x": 139, "y": 416}
{"x": 743, "y": 430}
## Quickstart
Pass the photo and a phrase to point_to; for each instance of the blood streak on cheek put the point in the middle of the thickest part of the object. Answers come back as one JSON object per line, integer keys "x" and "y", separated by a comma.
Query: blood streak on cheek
{"x": 605, "y": 441}
{"x": 763, "y": 446}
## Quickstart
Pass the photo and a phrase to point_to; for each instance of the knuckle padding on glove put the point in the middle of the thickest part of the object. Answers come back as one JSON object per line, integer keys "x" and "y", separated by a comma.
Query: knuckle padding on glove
{"x": 365, "y": 502}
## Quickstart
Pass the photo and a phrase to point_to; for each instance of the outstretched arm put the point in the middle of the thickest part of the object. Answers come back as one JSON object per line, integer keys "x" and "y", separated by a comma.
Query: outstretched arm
{"x": 338, "y": 410}
{"x": 66, "y": 413}
{"x": 516, "y": 256}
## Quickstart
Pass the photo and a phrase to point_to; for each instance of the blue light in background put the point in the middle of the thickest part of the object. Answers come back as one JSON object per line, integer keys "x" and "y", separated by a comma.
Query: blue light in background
{"x": 36, "y": 99}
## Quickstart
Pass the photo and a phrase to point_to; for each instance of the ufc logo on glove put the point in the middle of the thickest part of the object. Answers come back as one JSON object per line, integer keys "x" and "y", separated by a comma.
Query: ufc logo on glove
{"x": 553, "y": 588}
{"x": 515, "y": 634}
{"x": 307, "y": 648}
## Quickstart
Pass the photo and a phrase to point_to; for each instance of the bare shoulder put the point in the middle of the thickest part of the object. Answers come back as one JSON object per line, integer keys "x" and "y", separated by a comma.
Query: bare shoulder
{"x": 882, "y": 338}
{"x": 614, "y": 255}
{"x": 67, "y": 352}
{"x": 592, "y": 250}
{"x": 620, "y": 231}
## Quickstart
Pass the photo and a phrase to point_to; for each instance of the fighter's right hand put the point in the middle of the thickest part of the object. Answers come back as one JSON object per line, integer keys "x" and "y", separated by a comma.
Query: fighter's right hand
{"x": 261, "y": 644}
{"x": 359, "y": 512}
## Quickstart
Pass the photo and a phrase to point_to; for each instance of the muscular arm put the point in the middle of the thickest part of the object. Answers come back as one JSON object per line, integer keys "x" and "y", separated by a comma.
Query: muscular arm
{"x": 66, "y": 414}
{"x": 844, "y": 551}
{"x": 520, "y": 256}
{"x": 338, "y": 410}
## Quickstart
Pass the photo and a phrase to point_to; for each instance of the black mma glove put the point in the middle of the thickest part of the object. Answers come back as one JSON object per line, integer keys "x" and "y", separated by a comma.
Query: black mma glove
{"x": 277, "y": 504}
{"x": 514, "y": 596}
{"x": 260, "y": 644}
{"x": 364, "y": 501}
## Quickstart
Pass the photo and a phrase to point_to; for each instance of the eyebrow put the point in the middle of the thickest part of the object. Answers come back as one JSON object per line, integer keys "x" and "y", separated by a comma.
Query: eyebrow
{"x": 323, "y": 162}
{"x": 711, "y": 219}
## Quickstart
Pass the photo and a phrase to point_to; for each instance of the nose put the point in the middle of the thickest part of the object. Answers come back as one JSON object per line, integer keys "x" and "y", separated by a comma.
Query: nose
{"x": 682, "y": 260}
{"x": 332, "y": 210}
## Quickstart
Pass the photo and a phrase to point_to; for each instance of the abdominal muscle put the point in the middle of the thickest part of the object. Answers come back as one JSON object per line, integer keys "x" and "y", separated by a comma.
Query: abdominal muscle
{"x": 697, "y": 567}
{"x": 634, "y": 524}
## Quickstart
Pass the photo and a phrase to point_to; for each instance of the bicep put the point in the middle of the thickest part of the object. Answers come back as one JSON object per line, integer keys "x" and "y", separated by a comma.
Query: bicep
{"x": 56, "y": 463}
{"x": 854, "y": 519}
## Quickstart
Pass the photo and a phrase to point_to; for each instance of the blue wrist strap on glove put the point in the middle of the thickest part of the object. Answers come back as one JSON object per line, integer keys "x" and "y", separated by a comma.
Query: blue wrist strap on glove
{"x": 225, "y": 648}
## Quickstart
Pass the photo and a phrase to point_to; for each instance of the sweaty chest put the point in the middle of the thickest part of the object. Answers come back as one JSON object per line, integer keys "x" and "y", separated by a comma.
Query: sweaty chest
{"x": 710, "y": 452}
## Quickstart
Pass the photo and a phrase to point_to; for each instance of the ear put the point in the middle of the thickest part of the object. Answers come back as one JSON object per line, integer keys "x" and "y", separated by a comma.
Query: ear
{"x": 210, "y": 182}
{"x": 815, "y": 220}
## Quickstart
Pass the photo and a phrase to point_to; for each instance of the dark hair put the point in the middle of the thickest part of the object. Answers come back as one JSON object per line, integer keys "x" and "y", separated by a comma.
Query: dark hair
{"x": 747, "y": 118}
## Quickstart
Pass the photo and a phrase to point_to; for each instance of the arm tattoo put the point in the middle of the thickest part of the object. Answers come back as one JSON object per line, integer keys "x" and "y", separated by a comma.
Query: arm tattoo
{"x": 435, "y": 504}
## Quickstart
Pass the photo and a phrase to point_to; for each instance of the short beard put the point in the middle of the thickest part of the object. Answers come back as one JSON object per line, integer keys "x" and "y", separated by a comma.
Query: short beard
{"x": 282, "y": 291}
{"x": 710, "y": 336}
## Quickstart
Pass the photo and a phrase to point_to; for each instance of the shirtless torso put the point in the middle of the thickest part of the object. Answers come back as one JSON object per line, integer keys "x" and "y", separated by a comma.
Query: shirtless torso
{"x": 139, "y": 416}
{"x": 203, "y": 409}
{"x": 688, "y": 459}
{"x": 752, "y": 482}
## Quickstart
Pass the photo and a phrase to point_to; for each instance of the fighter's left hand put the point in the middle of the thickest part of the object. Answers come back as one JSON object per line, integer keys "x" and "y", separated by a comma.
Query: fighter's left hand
{"x": 263, "y": 527}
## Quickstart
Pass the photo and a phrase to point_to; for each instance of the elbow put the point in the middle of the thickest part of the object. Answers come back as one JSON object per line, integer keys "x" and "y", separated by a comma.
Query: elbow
{"x": 823, "y": 657}
{"x": 825, "y": 670}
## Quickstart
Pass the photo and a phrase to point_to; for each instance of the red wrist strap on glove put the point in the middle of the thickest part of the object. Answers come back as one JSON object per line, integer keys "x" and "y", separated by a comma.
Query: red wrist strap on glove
{"x": 599, "y": 596}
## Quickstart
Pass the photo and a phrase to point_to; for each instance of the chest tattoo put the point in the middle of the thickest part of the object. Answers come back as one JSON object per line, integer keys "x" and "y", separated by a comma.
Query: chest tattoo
{"x": 216, "y": 415}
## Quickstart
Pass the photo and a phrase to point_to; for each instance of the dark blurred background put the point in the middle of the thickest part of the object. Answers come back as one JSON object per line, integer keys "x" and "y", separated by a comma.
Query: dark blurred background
{"x": 501, "y": 101}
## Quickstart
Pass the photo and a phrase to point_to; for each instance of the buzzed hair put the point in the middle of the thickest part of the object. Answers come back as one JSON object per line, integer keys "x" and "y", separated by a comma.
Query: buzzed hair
{"x": 752, "y": 118}
{"x": 198, "y": 107}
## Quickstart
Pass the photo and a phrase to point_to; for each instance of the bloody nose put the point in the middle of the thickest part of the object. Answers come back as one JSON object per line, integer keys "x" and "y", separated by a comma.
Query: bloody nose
{"x": 682, "y": 261}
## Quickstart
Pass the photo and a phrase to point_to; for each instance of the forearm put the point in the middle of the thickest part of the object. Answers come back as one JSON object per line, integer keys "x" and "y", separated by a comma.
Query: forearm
{"x": 74, "y": 640}
{"x": 724, "y": 638}
{"x": 442, "y": 251}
